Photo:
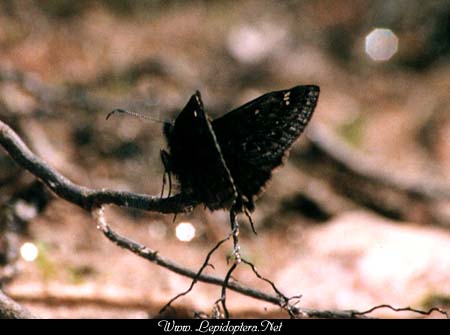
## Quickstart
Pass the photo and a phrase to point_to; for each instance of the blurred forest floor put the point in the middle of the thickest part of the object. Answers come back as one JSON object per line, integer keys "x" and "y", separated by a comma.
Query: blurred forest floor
{"x": 342, "y": 240}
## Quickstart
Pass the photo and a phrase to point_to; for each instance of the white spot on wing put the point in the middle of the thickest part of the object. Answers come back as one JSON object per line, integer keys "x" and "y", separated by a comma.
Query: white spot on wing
{"x": 286, "y": 97}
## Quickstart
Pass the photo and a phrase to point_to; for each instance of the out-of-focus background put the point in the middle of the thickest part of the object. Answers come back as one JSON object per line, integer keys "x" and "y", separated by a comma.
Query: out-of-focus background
{"x": 359, "y": 215}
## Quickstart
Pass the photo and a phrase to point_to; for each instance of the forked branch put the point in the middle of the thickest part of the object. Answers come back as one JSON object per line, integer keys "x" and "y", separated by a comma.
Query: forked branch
{"x": 92, "y": 200}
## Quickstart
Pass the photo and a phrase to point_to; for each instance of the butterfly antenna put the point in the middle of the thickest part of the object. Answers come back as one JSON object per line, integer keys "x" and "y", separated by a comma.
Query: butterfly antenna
{"x": 141, "y": 116}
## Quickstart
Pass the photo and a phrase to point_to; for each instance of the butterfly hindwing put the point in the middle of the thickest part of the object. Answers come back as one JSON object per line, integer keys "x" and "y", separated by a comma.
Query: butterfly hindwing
{"x": 256, "y": 137}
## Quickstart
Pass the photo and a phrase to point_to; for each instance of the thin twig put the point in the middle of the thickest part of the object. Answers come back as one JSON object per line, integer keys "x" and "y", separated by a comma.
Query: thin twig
{"x": 195, "y": 279}
{"x": 226, "y": 283}
{"x": 402, "y": 309}
{"x": 284, "y": 300}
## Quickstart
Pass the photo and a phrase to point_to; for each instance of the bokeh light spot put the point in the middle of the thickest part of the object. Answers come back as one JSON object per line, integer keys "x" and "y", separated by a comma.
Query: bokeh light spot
{"x": 252, "y": 44}
{"x": 185, "y": 231}
{"x": 29, "y": 252}
{"x": 381, "y": 44}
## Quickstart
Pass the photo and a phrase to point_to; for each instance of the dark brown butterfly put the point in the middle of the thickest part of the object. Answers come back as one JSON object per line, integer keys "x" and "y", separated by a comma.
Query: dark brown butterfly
{"x": 225, "y": 163}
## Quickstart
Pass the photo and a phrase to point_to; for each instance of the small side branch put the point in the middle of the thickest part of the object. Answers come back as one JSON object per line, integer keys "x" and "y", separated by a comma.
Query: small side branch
{"x": 403, "y": 309}
{"x": 223, "y": 296}
{"x": 200, "y": 271}
{"x": 285, "y": 302}
{"x": 154, "y": 257}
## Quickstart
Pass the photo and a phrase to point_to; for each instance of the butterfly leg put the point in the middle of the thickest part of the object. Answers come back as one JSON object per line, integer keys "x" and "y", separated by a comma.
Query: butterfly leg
{"x": 252, "y": 224}
{"x": 243, "y": 205}
{"x": 170, "y": 183}
{"x": 163, "y": 184}
{"x": 165, "y": 159}
{"x": 169, "y": 177}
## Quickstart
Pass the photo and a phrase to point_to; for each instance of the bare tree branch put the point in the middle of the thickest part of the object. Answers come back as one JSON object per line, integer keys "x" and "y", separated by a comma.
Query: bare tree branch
{"x": 342, "y": 154}
{"x": 91, "y": 200}
{"x": 82, "y": 196}
{"x": 365, "y": 182}
{"x": 9, "y": 309}
{"x": 154, "y": 257}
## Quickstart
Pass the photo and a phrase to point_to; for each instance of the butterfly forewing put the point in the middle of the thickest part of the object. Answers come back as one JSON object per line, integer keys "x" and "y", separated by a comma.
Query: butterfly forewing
{"x": 256, "y": 137}
{"x": 196, "y": 159}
